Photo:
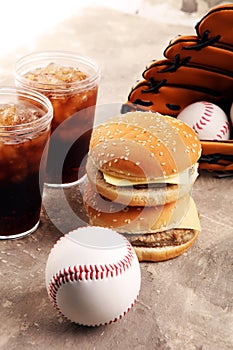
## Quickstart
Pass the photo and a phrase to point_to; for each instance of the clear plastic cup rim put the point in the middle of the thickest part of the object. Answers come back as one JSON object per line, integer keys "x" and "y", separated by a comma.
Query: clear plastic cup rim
{"x": 36, "y": 59}
{"x": 28, "y": 94}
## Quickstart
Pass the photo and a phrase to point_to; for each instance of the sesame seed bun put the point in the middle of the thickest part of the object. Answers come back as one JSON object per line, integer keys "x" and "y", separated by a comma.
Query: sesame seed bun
{"x": 151, "y": 230}
{"x": 146, "y": 195}
{"x": 143, "y": 145}
{"x": 130, "y": 219}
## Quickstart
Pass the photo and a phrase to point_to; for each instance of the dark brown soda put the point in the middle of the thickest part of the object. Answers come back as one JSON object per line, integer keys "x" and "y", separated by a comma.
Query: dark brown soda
{"x": 21, "y": 203}
{"x": 22, "y": 170}
{"x": 70, "y": 139}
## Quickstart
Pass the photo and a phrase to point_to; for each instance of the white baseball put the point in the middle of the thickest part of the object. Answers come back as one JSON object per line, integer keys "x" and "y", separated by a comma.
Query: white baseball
{"x": 93, "y": 276}
{"x": 208, "y": 120}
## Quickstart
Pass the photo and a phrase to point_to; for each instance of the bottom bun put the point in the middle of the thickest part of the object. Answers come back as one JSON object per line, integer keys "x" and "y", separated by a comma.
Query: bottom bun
{"x": 133, "y": 220}
{"x": 139, "y": 195}
{"x": 154, "y": 232}
{"x": 157, "y": 254}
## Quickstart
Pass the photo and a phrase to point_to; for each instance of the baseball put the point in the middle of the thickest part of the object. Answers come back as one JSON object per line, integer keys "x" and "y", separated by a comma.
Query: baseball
{"x": 207, "y": 119}
{"x": 93, "y": 276}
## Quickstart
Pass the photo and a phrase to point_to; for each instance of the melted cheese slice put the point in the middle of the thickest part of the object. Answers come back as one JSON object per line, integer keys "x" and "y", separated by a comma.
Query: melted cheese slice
{"x": 186, "y": 177}
{"x": 191, "y": 219}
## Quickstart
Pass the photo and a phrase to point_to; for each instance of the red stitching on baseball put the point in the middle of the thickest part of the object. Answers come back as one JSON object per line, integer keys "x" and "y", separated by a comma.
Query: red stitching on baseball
{"x": 86, "y": 272}
{"x": 225, "y": 128}
{"x": 197, "y": 126}
{"x": 208, "y": 112}
{"x": 218, "y": 137}
{"x": 209, "y": 104}
{"x": 202, "y": 122}
{"x": 206, "y": 119}
{"x": 124, "y": 313}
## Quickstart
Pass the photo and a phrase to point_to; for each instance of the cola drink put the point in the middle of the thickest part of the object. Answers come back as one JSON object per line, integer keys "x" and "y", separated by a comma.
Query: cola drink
{"x": 25, "y": 122}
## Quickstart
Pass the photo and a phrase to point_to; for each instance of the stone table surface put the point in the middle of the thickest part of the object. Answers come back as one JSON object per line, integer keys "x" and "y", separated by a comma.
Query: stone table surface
{"x": 185, "y": 303}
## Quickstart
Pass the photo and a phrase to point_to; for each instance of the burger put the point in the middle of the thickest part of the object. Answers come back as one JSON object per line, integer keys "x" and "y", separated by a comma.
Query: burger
{"x": 141, "y": 168}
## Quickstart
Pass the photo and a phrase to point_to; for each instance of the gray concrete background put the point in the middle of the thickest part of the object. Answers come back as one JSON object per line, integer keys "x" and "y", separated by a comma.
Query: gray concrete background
{"x": 185, "y": 303}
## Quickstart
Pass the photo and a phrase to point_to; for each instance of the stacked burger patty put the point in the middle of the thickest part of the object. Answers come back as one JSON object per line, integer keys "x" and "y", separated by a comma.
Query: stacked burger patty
{"x": 141, "y": 168}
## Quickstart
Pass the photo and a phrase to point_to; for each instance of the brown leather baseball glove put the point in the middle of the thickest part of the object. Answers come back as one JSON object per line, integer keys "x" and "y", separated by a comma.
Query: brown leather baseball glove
{"x": 195, "y": 68}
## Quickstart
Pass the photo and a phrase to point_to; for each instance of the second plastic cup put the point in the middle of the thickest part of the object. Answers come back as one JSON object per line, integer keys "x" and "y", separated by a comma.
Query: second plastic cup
{"x": 70, "y": 81}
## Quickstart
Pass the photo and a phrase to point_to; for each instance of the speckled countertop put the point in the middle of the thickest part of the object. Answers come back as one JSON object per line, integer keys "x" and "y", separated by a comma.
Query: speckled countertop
{"x": 185, "y": 303}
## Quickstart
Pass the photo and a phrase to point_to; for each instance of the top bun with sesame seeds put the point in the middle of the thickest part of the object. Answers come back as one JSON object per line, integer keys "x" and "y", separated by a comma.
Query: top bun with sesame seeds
{"x": 138, "y": 151}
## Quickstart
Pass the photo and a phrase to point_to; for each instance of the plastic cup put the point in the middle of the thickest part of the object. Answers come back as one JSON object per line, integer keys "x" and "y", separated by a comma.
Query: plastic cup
{"x": 25, "y": 124}
{"x": 70, "y": 81}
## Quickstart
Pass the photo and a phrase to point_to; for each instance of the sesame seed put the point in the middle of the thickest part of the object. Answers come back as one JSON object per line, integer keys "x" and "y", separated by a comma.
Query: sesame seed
{"x": 137, "y": 163}
{"x": 161, "y": 153}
